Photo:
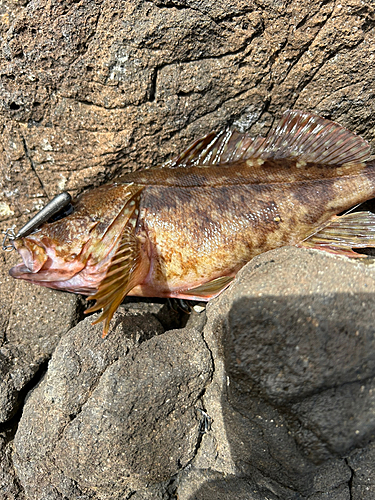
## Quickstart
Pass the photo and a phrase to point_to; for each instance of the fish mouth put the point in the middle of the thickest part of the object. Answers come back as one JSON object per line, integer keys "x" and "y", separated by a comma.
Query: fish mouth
{"x": 34, "y": 256}
{"x": 40, "y": 264}
{"x": 18, "y": 271}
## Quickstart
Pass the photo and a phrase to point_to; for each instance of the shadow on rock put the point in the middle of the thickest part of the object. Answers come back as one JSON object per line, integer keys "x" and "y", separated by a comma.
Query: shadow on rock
{"x": 297, "y": 395}
{"x": 301, "y": 386}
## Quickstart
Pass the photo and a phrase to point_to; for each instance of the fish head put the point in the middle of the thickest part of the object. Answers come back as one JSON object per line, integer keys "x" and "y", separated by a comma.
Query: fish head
{"x": 54, "y": 251}
{"x": 74, "y": 252}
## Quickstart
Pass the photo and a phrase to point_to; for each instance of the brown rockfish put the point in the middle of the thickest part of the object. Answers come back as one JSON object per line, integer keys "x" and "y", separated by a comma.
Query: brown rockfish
{"x": 185, "y": 229}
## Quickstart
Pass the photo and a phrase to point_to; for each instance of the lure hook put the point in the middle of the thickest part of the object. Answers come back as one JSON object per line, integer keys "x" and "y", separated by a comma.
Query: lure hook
{"x": 52, "y": 208}
{"x": 8, "y": 234}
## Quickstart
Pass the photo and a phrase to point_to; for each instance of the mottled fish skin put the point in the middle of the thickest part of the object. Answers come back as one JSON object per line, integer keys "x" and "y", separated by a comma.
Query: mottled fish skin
{"x": 208, "y": 231}
{"x": 162, "y": 232}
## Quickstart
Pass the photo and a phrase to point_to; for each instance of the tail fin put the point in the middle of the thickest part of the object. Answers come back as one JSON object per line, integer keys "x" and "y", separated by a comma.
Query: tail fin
{"x": 344, "y": 234}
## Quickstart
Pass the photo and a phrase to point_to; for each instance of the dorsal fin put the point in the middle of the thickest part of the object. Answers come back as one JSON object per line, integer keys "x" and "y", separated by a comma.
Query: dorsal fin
{"x": 227, "y": 146}
{"x": 298, "y": 135}
{"x": 313, "y": 139}
{"x": 126, "y": 270}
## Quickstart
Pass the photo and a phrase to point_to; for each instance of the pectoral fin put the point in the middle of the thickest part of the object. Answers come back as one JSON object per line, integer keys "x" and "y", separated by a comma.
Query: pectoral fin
{"x": 345, "y": 233}
{"x": 128, "y": 268}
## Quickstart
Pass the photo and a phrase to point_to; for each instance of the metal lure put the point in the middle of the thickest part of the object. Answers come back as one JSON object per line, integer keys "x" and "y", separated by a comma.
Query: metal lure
{"x": 52, "y": 208}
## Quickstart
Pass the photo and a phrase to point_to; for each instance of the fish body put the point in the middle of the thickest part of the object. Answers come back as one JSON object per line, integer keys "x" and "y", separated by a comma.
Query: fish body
{"x": 185, "y": 229}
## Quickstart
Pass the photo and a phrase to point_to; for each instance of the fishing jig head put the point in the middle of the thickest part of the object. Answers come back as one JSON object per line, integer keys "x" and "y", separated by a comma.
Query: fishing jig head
{"x": 52, "y": 208}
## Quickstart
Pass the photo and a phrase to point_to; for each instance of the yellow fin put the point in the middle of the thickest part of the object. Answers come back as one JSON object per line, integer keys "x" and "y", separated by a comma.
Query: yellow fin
{"x": 127, "y": 269}
{"x": 211, "y": 288}
{"x": 353, "y": 230}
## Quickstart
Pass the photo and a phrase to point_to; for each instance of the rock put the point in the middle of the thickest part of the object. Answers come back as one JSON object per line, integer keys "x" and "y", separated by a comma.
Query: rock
{"x": 361, "y": 463}
{"x": 209, "y": 485}
{"x": 29, "y": 335}
{"x": 316, "y": 312}
{"x": 10, "y": 488}
{"x": 113, "y": 416}
{"x": 292, "y": 340}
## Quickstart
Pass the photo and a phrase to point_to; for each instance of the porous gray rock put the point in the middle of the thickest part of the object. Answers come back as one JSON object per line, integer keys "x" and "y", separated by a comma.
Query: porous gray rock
{"x": 363, "y": 477}
{"x": 291, "y": 396}
{"x": 109, "y": 417}
{"x": 10, "y": 489}
{"x": 28, "y": 334}
{"x": 31, "y": 338}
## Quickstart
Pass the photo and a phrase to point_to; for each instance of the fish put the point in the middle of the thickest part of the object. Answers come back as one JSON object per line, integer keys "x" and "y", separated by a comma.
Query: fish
{"x": 184, "y": 229}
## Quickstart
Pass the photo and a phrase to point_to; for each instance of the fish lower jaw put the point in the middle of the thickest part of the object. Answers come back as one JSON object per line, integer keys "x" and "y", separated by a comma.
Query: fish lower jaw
{"x": 69, "y": 285}
{"x": 20, "y": 271}
{"x": 43, "y": 277}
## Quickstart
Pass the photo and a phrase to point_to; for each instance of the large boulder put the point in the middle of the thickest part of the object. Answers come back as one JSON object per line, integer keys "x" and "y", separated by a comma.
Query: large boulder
{"x": 291, "y": 400}
{"x": 112, "y": 416}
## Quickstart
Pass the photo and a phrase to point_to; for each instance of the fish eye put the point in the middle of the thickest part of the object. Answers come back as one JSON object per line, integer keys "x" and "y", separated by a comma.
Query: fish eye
{"x": 61, "y": 214}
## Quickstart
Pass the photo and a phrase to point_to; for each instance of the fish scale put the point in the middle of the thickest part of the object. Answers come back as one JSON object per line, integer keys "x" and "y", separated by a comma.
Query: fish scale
{"x": 185, "y": 229}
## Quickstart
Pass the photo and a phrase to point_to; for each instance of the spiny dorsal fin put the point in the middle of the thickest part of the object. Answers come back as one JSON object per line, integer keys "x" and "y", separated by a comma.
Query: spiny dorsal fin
{"x": 227, "y": 146}
{"x": 298, "y": 135}
{"x": 313, "y": 139}
{"x": 124, "y": 273}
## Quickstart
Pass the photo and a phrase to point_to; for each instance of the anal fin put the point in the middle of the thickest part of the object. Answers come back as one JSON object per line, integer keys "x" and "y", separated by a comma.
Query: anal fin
{"x": 208, "y": 290}
{"x": 344, "y": 234}
{"x": 127, "y": 269}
